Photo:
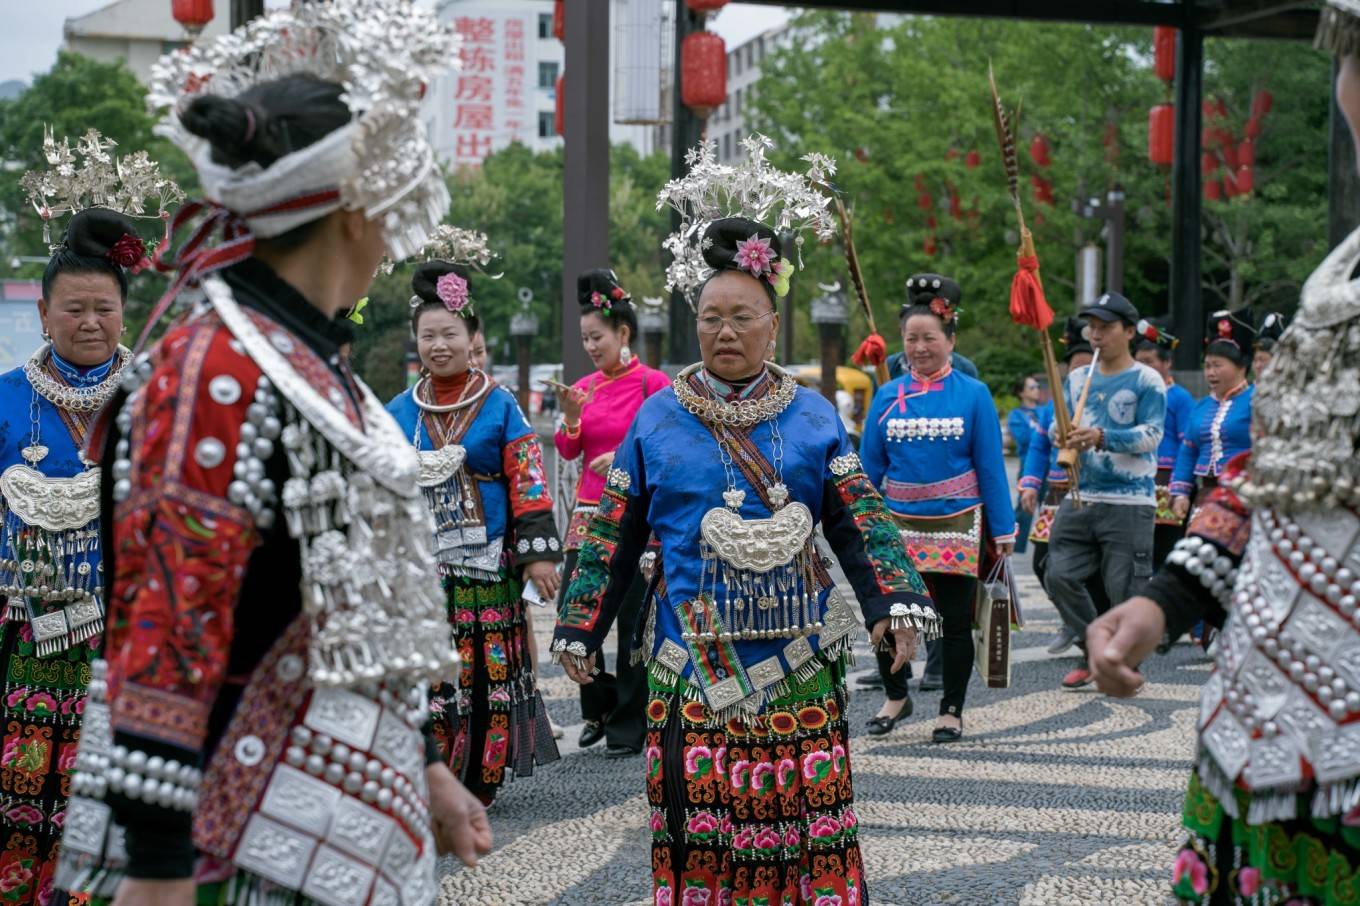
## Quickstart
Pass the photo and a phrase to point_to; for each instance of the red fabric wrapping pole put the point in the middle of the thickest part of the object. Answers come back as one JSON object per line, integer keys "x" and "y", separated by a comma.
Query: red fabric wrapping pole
{"x": 1029, "y": 308}
{"x": 873, "y": 351}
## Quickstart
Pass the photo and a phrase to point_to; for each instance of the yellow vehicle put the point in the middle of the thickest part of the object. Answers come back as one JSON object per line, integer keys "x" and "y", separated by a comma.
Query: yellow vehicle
{"x": 859, "y": 385}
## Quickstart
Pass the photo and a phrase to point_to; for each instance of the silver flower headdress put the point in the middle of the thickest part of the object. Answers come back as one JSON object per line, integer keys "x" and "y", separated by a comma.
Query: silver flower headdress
{"x": 91, "y": 175}
{"x": 455, "y": 245}
{"x": 755, "y": 189}
{"x": 383, "y": 53}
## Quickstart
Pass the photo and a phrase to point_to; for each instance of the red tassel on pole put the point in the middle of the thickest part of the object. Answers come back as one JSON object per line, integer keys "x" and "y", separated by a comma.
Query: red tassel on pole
{"x": 873, "y": 351}
{"x": 1029, "y": 308}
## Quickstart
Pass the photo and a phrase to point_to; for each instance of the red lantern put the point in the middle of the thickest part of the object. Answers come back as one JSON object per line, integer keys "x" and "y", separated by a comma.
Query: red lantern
{"x": 1246, "y": 154}
{"x": 1164, "y": 52}
{"x": 1253, "y": 128}
{"x": 559, "y": 23}
{"x": 1208, "y": 162}
{"x": 931, "y": 222}
{"x": 705, "y": 6}
{"x": 1162, "y": 135}
{"x": 192, "y": 14}
{"x": 1110, "y": 139}
{"x": 952, "y": 154}
{"x": 1261, "y": 103}
{"x": 1246, "y": 180}
{"x": 1230, "y": 156}
{"x": 925, "y": 202}
{"x": 1230, "y": 187}
{"x": 703, "y": 72}
{"x": 955, "y": 205}
{"x": 1038, "y": 151}
{"x": 972, "y": 160}
{"x": 929, "y": 247}
{"x": 1213, "y": 190}
{"x": 560, "y": 111}
{"x": 862, "y": 155}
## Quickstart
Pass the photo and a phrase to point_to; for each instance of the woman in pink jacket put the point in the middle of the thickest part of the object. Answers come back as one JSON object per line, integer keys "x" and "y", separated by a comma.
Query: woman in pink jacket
{"x": 596, "y": 414}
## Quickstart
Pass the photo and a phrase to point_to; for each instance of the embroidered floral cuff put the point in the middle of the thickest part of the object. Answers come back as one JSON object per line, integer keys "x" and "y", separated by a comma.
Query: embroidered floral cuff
{"x": 1031, "y": 483}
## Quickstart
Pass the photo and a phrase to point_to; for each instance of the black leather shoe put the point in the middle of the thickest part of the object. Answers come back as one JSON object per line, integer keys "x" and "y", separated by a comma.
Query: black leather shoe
{"x": 591, "y": 733}
{"x": 612, "y": 751}
{"x": 879, "y": 726}
{"x": 947, "y": 734}
{"x": 870, "y": 681}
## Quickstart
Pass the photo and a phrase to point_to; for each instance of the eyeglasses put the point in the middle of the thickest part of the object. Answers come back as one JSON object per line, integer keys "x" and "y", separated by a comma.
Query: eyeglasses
{"x": 739, "y": 323}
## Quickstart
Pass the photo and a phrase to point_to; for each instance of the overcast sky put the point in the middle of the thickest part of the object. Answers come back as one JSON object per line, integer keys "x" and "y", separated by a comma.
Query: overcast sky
{"x": 30, "y": 41}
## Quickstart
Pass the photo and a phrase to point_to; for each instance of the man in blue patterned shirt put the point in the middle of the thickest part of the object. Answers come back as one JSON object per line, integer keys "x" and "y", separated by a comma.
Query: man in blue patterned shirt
{"x": 1110, "y": 534}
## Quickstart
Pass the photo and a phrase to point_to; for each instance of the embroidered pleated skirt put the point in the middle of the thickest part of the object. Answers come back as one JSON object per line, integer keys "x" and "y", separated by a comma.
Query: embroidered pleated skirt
{"x": 753, "y": 811}
{"x": 1301, "y": 862}
{"x": 43, "y": 702}
{"x": 490, "y": 723}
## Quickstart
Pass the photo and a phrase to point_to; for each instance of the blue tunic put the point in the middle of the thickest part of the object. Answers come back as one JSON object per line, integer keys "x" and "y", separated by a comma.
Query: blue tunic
{"x": 668, "y": 473}
{"x": 1179, "y": 407}
{"x": 938, "y": 453}
{"x": 499, "y": 424}
{"x": 1023, "y": 423}
{"x": 1217, "y": 432}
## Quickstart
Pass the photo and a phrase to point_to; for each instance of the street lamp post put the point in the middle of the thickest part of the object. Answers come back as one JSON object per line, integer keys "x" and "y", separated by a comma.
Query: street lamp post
{"x": 524, "y": 327}
{"x": 652, "y": 319}
{"x": 830, "y": 313}
{"x": 1111, "y": 210}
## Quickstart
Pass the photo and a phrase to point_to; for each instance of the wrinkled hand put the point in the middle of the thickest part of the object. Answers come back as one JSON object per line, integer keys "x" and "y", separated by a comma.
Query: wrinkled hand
{"x": 903, "y": 642}
{"x": 1180, "y": 506}
{"x": 571, "y": 401}
{"x": 577, "y": 675}
{"x": 1118, "y": 641}
{"x": 1005, "y": 548}
{"x": 600, "y": 464}
{"x": 543, "y": 574}
{"x": 1029, "y": 500}
{"x": 139, "y": 892}
{"x": 1083, "y": 438}
{"x": 461, "y": 827}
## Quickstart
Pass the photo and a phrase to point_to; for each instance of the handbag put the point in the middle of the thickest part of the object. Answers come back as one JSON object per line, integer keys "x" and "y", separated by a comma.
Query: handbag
{"x": 996, "y": 611}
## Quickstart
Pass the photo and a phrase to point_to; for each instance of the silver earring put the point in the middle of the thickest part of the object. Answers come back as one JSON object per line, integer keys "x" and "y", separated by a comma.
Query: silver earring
{"x": 625, "y": 355}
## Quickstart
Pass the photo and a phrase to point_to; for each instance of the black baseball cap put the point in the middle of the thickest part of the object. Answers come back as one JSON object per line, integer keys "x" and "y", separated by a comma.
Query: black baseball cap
{"x": 1111, "y": 307}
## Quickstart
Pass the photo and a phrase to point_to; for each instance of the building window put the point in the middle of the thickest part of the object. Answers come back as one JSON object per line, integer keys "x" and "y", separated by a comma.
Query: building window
{"x": 750, "y": 54}
{"x": 547, "y": 124}
{"x": 547, "y": 74}
{"x": 737, "y": 57}
{"x": 736, "y": 103}
{"x": 545, "y": 25}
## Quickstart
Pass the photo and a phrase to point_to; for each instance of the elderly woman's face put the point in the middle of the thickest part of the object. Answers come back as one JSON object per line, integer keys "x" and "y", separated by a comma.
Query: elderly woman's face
{"x": 737, "y": 326}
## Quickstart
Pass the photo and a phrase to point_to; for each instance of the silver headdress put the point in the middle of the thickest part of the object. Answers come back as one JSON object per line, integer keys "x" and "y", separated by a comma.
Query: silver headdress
{"x": 91, "y": 175}
{"x": 383, "y": 53}
{"x": 470, "y": 248}
{"x": 1339, "y": 28}
{"x": 755, "y": 189}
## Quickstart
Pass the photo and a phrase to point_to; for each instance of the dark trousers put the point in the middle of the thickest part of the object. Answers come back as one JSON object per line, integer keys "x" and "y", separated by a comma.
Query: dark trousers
{"x": 1109, "y": 542}
{"x": 1094, "y": 587}
{"x": 953, "y": 597}
{"x": 1164, "y": 538}
{"x": 619, "y": 699}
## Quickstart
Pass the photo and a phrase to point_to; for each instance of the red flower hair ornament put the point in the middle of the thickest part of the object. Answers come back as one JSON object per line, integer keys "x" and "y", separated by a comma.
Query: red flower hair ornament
{"x": 942, "y": 309}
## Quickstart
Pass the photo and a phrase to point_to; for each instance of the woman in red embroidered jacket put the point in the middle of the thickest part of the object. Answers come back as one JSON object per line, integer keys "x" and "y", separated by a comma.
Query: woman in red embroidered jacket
{"x": 274, "y": 615}
{"x": 482, "y": 471}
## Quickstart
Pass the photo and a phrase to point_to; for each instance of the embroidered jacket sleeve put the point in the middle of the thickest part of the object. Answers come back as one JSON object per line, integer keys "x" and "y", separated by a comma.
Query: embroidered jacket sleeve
{"x": 990, "y": 464}
{"x": 873, "y": 453}
{"x": 1196, "y": 581}
{"x": 180, "y": 550}
{"x": 1148, "y": 424}
{"x": 607, "y": 561}
{"x": 527, "y": 481}
{"x": 866, "y": 541}
{"x": 1034, "y": 469}
{"x": 1183, "y": 475}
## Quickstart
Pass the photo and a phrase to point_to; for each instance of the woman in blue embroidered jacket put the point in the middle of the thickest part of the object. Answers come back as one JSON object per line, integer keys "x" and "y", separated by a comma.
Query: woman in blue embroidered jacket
{"x": 1220, "y": 425}
{"x": 745, "y": 640}
{"x": 484, "y": 479}
{"x": 51, "y": 620}
{"x": 932, "y": 442}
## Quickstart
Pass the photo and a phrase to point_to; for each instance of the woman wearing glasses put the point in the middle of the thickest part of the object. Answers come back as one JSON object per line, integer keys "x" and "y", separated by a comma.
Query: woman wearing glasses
{"x": 932, "y": 443}
{"x": 732, "y": 468}
{"x": 596, "y": 414}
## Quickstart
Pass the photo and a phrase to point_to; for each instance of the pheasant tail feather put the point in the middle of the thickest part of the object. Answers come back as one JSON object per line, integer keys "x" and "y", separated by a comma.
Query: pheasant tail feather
{"x": 1006, "y": 125}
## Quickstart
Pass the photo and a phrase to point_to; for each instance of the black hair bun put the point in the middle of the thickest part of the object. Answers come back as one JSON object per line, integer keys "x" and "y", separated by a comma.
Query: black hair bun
{"x": 722, "y": 238}
{"x": 267, "y": 121}
{"x": 230, "y": 125}
{"x": 599, "y": 289}
{"x": 425, "y": 281}
{"x": 923, "y": 289}
{"x": 104, "y": 233}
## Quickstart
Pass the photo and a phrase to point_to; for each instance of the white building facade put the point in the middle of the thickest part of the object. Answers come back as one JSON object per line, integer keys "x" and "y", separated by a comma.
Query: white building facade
{"x": 137, "y": 32}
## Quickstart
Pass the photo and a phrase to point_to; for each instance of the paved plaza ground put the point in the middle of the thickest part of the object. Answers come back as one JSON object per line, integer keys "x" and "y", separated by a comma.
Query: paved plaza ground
{"x": 1053, "y": 797}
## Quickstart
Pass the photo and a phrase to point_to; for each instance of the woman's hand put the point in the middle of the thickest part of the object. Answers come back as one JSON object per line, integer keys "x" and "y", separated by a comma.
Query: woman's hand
{"x": 1029, "y": 500}
{"x": 1180, "y": 506}
{"x": 903, "y": 642}
{"x": 572, "y": 400}
{"x": 138, "y": 892}
{"x": 1005, "y": 548}
{"x": 461, "y": 827}
{"x": 600, "y": 464}
{"x": 1118, "y": 641}
{"x": 577, "y": 674}
{"x": 544, "y": 575}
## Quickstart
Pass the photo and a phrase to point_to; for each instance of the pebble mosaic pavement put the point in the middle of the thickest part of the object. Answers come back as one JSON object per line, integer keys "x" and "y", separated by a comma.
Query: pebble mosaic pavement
{"x": 1052, "y": 797}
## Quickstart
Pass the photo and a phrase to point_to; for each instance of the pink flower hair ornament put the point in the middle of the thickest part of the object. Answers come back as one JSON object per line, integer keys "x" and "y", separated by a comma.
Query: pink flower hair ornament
{"x": 602, "y": 302}
{"x": 452, "y": 290}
